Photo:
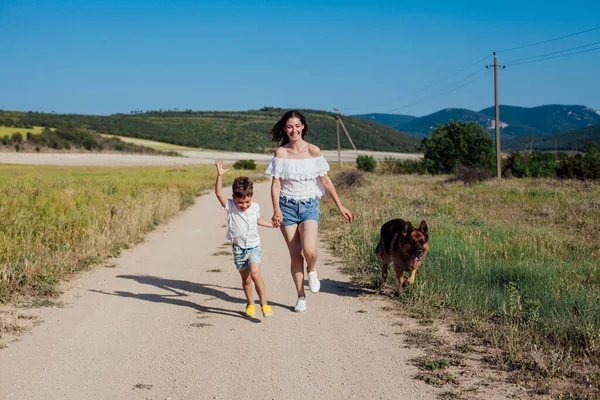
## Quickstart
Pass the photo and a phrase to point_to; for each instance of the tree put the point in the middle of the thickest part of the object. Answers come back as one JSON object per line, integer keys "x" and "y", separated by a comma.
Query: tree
{"x": 458, "y": 143}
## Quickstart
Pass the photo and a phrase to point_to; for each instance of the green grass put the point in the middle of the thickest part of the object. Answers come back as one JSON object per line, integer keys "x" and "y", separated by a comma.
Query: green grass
{"x": 58, "y": 220}
{"x": 516, "y": 262}
{"x": 8, "y": 131}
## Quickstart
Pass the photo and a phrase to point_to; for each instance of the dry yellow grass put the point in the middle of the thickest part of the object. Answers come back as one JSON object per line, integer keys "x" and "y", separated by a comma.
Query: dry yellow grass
{"x": 57, "y": 220}
{"x": 151, "y": 143}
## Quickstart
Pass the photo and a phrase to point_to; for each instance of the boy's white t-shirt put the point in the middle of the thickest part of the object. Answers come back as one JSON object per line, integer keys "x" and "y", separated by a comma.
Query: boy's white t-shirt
{"x": 242, "y": 226}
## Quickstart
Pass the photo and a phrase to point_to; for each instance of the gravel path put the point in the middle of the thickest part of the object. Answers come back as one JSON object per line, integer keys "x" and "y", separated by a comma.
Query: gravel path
{"x": 166, "y": 321}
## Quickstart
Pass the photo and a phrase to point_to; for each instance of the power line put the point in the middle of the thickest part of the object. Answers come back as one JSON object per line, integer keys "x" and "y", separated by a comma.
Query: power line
{"x": 450, "y": 89}
{"x": 548, "y": 40}
{"x": 559, "y": 56}
{"x": 554, "y": 52}
{"x": 521, "y": 61}
{"x": 424, "y": 88}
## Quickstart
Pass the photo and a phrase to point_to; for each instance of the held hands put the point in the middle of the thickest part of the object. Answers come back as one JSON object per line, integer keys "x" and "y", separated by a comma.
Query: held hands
{"x": 220, "y": 169}
{"x": 345, "y": 213}
{"x": 277, "y": 219}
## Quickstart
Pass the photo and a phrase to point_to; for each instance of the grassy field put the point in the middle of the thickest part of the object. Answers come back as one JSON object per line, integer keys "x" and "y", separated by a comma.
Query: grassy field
{"x": 8, "y": 130}
{"x": 58, "y": 220}
{"x": 516, "y": 263}
{"x": 151, "y": 143}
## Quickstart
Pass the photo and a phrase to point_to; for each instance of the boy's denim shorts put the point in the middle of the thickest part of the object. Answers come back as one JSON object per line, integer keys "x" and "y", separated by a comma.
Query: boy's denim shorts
{"x": 243, "y": 257}
{"x": 297, "y": 211}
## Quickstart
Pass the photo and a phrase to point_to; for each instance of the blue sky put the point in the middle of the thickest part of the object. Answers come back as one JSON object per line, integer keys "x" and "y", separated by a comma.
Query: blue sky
{"x": 102, "y": 57}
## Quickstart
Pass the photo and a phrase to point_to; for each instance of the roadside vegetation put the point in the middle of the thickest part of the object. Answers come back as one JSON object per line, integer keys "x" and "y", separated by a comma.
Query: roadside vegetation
{"x": 468, "y": 151}
{"x": 513, "y": 262}
{"x": 516, "y": 263}
{"x": 58, "y": 220}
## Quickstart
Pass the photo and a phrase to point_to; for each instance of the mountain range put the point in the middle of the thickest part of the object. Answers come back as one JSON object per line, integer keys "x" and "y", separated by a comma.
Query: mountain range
{"x": 515, "y": 122}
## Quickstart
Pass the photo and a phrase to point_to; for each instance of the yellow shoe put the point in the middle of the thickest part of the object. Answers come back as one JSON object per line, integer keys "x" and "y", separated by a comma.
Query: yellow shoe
{"x": 251, "y": 311}
{"x": 267, "y": 311}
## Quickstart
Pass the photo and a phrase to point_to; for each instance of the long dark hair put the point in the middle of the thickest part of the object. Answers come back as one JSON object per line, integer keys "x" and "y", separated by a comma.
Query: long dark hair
{"x": 278, "y": 134}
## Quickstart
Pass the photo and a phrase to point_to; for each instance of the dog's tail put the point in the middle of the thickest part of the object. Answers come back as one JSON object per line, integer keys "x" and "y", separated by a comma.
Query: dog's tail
{"x": 377, "y": 247}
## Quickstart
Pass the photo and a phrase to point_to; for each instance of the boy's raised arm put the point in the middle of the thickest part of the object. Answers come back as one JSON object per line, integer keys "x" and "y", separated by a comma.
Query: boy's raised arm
{"x": 219, "y": 182}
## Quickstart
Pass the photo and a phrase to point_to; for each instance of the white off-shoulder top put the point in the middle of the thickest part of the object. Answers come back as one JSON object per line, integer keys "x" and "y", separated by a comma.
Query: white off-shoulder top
{"x": 299, "y": 177}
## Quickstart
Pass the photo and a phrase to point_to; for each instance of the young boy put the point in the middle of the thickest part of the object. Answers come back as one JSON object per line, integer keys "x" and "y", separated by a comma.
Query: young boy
{"x": 243, "y": 216}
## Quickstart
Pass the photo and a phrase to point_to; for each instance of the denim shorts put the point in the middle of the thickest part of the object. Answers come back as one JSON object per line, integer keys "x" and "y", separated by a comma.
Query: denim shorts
{"x": 243, "y": 257}
{"x": 297, "y": 211}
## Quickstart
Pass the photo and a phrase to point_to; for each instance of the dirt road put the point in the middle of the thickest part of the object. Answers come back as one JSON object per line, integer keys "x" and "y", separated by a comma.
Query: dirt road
{"x": 166, "y": 321}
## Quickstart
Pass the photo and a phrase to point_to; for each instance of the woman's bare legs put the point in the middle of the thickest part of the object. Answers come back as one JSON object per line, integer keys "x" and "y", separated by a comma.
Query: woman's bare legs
{"x": 308, "y": 238}
{"x": 292, "y": 238}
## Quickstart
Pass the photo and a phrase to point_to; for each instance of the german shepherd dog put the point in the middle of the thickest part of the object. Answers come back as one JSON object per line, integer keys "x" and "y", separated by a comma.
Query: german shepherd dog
{"x": 403, "y": 245}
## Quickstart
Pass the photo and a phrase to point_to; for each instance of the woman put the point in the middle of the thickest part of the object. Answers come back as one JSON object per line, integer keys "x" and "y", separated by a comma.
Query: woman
{"x": 300, "y": 178}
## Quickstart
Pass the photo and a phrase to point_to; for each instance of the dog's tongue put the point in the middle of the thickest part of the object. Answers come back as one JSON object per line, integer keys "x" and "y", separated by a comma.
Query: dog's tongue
{"x": 413, "y": 261}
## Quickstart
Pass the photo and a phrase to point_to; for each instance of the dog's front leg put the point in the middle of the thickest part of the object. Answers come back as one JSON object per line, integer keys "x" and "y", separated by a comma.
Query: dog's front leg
{"x": 411, "y": 278}
{"x": 384, "y": 272}
{"x": 400, "y": 276}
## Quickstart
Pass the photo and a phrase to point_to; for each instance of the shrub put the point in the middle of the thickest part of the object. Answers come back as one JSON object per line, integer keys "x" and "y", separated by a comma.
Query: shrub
{"x": 581, "y": 167}
{"x": 534, "y": 165}
{"x": 348, "y": 178}
{"x": 366, "y": 163}
{"x": 5, "y": 140}
{"x": 17, "y": 137}
{"x": 458, "y": 143}
{"x": 392, "y": 166}
{"x": 389, "y": 165}
{"x": 245, "y": 164}
{"x": 472, "y": 175}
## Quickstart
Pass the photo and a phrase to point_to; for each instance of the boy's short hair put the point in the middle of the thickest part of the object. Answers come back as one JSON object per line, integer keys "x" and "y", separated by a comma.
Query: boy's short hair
{"x": 242, "y": 187}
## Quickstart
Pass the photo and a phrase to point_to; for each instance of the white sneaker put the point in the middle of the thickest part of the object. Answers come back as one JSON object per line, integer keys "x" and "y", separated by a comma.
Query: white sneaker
{"x": 300, "y": 304}
{"x": 313, "y": 282}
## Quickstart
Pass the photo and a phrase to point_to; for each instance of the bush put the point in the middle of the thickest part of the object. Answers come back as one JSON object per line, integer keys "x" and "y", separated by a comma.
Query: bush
{"x": 349, "y": 178}
{"x": 5, "y": 140}
{"x": 458, "y": 143}
{"x": 392, "y": 166}
{"x": 534, "y": 165}
{"x": 389, "y": 165}
{"x": 581, "y": 167}
{"x": 366, "y": 163}
{"x": 245, "y": 164}
{"x": 17, "y": 137}
{"x": 472, "y": 175}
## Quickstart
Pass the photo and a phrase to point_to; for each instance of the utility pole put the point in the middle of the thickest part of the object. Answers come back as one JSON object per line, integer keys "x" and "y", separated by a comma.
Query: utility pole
{"x": 347, "y": 134}
{"x": 337, "y": 120}
{"x": 497, "y": 107}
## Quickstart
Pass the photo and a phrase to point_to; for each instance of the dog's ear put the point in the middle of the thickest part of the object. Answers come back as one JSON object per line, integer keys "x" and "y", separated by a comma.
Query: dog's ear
{"x": 407, "y": 228}
{"x": 423, "y": 228}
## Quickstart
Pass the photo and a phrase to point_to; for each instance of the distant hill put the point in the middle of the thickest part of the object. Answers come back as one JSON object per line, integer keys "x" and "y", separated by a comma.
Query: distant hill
{"x": 233, "y": 131}
{"x": 396, "y": 121}
{"x": 544, "y": 120}
{"x": 564, "y": 141}
{"x": 514, "y": 121}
